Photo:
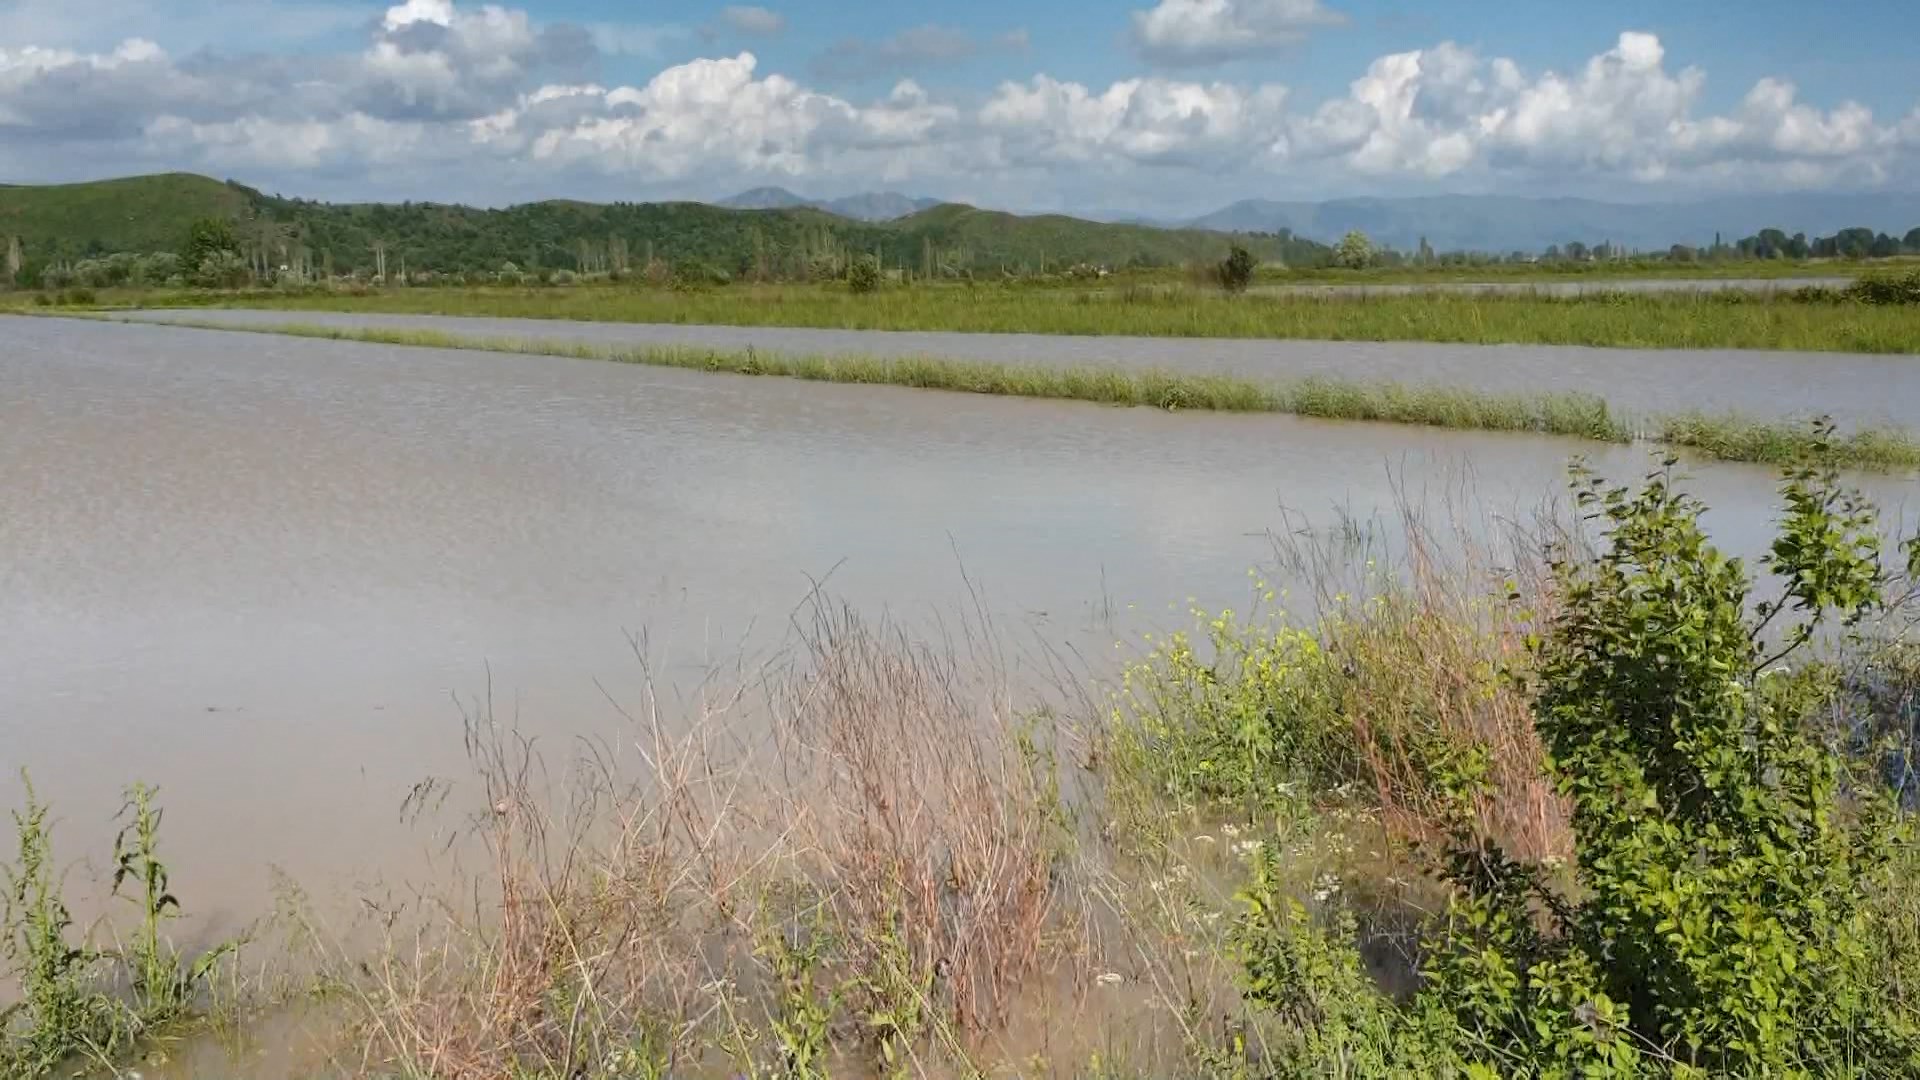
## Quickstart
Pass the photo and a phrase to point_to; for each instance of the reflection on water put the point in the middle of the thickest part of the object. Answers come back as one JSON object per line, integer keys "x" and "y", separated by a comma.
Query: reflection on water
{"x": 258, "y": 571}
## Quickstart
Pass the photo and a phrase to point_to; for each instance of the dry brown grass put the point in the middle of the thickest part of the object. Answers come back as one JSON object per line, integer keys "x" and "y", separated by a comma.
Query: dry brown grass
{"x": 883, "y": 836}
{"x": 1430, "y": 645}
{"x": 865, "y": 861}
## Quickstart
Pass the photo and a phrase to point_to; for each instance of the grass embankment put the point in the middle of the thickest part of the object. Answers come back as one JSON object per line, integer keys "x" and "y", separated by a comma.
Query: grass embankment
{"x": 1568, "y": 272}
{"x": 1634, "y": 859}
{"x": 1728, "y": 437}
{"x": 1727, "y": 320}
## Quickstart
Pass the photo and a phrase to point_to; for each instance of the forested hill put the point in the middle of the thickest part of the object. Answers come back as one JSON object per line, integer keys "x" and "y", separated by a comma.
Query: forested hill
{"x": 154, "y": 213}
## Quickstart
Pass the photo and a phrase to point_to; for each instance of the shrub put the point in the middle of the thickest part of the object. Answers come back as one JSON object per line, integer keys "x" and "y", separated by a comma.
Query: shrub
{"x": 206, "y": 238}
{"x": 690, "y": 275}
{"x": 1236, "y": 270}
{"x": 1354, "y": 252}
{"x": 221, "y": 269}
{"x": 1886, "y": 290}
{"x": 1719, "y": 921}
{"x": 863, "y": 275}
{"x": 1232, "y": 721}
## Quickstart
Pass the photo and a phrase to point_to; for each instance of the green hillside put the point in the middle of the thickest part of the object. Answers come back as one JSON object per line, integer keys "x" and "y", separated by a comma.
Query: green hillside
{"x": 68, "y": 222}
{"x": 138, "y": 214}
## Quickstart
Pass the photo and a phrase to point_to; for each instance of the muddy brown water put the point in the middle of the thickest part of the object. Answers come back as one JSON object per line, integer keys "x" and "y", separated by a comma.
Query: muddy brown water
{"x": 260, "y": 571}
{"x": 1853, "y": 388}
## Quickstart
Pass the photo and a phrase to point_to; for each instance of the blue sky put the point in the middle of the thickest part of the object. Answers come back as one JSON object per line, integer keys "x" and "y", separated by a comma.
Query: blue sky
{"x": 1164, "y": 106}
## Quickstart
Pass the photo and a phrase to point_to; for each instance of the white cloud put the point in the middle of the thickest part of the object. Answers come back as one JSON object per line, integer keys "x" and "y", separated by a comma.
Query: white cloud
{"x": 1179, "y": 32}
{"x": 444, "y": 99}
{"x": 1443, "y": 111}
{"x": 713, "y": 119}
{"x": 1138, "y": 121}
{"x": 437, "y": 12}
{"x": 757, "y": 21}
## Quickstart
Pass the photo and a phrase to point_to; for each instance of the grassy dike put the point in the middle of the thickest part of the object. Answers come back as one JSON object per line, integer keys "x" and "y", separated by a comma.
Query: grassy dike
{"x": 1815, "y": 322}
{"x": 1728, "y": 437}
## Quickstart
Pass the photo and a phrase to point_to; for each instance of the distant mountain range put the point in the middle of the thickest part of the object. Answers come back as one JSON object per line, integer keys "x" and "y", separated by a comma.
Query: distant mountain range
{"x": 1490, "y": 223}
{"x": 870, "y": 206}
{"x": 1503, "y": 223}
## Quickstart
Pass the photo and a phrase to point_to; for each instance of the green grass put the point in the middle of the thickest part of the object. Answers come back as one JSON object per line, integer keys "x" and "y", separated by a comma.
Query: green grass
{"x": 1736, "y": 438}
{"x": 1731, "y": 437}
{"x": 1553, "y": 273}
{"x": 1719, "y": 321}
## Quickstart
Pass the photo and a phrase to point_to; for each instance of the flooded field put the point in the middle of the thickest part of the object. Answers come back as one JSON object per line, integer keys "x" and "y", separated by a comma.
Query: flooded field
{"x": 269, "y": 574}
{"x": 1856, "y": 389}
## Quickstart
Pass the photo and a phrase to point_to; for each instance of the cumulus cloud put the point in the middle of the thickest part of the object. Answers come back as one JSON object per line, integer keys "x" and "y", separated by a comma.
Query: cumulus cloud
{"x": 1183, "y": 32}
{"x": 1445, "y": 110}
{"x": 445, "y": 99}
{"x": 711, "y": 119}
{"x": 1139, "y": 121}
{"x": 755, "y": 21}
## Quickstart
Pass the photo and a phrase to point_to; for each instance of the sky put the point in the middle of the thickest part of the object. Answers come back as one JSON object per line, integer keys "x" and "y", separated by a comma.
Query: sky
{"x": 1158, "y": 107}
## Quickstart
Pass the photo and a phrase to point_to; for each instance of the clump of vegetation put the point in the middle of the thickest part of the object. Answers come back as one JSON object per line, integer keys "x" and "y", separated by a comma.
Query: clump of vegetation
{"x": 1725, "y": 898}
{"x": 863, "y": 275}
{"x": 1717, "y": 923}
{"x": 62, "y": 1010}
{"x": 1736, "y": 438}
{"x": 696, "y": 275}
{"x": 1354, "y": 252}
{"x": 876, "y": 895}
{"x": 1885, "y": 290}
{"x": 165, "y": 985}
{"x": 1235, "y": 272}
{"x": 207, "y": 239}
{"x": 77, "y": 1000}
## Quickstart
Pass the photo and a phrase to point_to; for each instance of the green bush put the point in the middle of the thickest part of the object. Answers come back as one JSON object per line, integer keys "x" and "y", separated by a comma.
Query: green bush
{"x": 206, "y": 239}
{"x": 863, "y": 275}
{"x": 693, "y": 275}
{"x": 222, "y": 269}
{"x": 1236, "y": 270}
{"x": 1886, "y": 290}
{"x": 1229, "y": 722}
{"x": 1721, "y": 912}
